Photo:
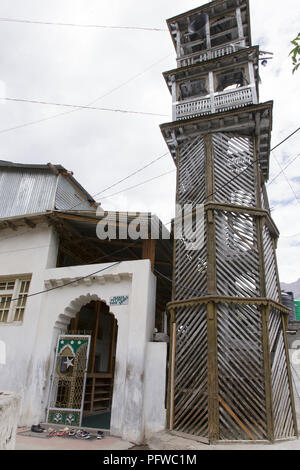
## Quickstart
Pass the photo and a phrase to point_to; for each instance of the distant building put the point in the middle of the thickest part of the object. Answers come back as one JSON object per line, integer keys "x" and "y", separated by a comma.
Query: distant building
{"x": 289, "y": 301}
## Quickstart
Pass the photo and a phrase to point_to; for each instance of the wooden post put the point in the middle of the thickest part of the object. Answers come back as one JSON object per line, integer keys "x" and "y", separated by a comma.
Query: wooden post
{"x": 171, "y": 378}
{"x": 97, "y": 309}
{"x": 265, "y": 314}
{"x": 284, "y": 319}
{"x": 149, "y": 251}
{"x": 212, "y": 327}
{"x": 212, "y": 372}
{"x": 260, "y": 222}
{"x": 112, "y": 343}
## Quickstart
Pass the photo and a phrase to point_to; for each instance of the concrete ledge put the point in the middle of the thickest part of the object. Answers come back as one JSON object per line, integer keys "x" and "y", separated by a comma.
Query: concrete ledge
{"x": 9, "y": 415}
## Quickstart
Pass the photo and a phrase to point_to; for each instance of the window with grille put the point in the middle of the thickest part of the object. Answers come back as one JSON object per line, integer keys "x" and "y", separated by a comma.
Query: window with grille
{"x": 13, "y": 297}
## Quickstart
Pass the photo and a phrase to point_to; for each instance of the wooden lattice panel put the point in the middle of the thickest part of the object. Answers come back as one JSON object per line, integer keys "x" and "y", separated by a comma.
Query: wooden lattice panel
{"x": 190, "y": 270}
{"x": 271, "y": 276}
{"x": 264, "y": 198}
{"x": 234, "y": 169}
{"x": 191, "y": 396}
{"x": 282, "y": 406}
{"x": 242, "y": 409}
{"x": 237, "y": 260}
{"x": 191, "y": 172}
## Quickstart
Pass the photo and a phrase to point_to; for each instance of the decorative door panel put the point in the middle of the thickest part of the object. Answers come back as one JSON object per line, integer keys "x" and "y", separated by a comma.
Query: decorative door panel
{"x": 68, "y": 380}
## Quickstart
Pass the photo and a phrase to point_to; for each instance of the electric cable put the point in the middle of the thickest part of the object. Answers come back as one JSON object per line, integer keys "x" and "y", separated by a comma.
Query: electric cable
{"x": 77, "y": 106}
{"x": 131, "y": 174}
{"x": 245, "y": 169}
{"x": 236, "y": 176}
{"x": 140, "y": 184}
{"x": 80, "y": 25}
{"x": 67, "y": 284}
{"x": 287, "y": 180}
{"x": 82, "y": 277}
{"x": 289, "y": 164}
{"x": 30, "y": 123}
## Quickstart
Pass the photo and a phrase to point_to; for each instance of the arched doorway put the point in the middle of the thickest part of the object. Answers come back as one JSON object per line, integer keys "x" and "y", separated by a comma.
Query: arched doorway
{"x": 96, "y": 320}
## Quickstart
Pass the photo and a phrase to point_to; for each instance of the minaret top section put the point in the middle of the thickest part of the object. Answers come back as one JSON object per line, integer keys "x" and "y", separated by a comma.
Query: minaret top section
{"x": 210, "y": 31}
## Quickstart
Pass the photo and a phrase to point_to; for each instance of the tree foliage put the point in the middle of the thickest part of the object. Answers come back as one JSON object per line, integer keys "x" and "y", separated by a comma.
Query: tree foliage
{"x": 295, "y": 53}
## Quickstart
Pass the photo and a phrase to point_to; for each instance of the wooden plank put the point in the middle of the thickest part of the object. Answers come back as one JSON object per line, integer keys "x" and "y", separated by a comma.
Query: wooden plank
{"x": 236, "y": 419}
{"x": 112, "y": 343}
{"x": 97, "y": 309}
{"x": 204, "y": 440}
{"x": 212, "y": 372}
{"x": 149, "y": 251}
{"x": 224, "y": 299}
{"x": 172, "y": 376}
{"x": 267, "y": 372}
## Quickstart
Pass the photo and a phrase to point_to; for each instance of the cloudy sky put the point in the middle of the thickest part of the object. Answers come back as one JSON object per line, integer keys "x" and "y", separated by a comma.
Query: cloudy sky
{"x": 122, "y": 69}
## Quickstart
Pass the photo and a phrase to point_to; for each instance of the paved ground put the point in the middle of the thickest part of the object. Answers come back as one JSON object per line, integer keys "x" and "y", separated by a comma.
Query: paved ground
{"x": 167, "y": 441}
{"x": 26, "y": 442}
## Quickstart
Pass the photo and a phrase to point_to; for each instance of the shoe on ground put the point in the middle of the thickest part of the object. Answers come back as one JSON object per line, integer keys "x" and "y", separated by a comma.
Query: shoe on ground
{"x": 36, "y": 428}
{"x": 82, "y": 434}
{"x": 100, "y": 435}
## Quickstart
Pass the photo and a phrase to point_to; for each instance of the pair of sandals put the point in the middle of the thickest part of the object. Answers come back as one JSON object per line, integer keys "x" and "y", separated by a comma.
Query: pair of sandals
{"x": 84, "y": 434}
{"x": 79, "y": 434}
{"x": 54, "y": 433}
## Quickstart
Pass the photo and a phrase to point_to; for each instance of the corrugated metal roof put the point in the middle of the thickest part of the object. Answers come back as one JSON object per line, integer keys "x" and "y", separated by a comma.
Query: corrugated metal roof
{"x": 26, "y": 192}
{"x": 32, "y": 188}
{"x": 67, "y": 197}
{"x": 47, "y": 167}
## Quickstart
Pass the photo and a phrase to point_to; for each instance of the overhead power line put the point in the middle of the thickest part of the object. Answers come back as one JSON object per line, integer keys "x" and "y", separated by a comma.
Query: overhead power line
{"x": 287, "y": 166}
{"x": 67, "y": 283}
{"x": 126, "y": 111}
{"x": 140, "y": 184}
{"x": 248, "y": 166}
{"x": 284, "y": 140}
{"x": 287, "y": 180}
{"x": 132, "y": 174}
{"x": 38, "y": 121}
{"x": 163, "y": 174}
{"x": 80, "y": 25}
{"x": 123, "y": 179}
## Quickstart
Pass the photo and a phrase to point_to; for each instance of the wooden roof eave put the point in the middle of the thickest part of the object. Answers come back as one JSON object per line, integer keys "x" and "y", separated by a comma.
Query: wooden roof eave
{"x": 29, "y": 220}
{"x": 205, "y": 66}
{"x": 207, "y": 8}
{"x": 240, "y": 119}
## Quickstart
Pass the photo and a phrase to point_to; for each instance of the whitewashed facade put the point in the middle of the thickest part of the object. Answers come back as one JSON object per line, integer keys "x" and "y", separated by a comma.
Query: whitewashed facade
{"x": 30, "y": 338}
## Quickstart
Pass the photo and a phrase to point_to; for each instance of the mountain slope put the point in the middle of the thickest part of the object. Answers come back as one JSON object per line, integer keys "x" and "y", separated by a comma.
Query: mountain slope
{"x": 292, "y": 287}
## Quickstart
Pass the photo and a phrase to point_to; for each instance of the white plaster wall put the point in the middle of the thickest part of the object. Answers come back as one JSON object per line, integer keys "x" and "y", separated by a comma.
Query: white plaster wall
{"x": 9, "y": 414}
{"x": 28, "y": 253}
{"x": 30, "y": 346}
{"x": 141, "y": 326}
{"x": 295, "y": 371}
{"x": 27, "y": 250}
{"x": 155, "y": 388}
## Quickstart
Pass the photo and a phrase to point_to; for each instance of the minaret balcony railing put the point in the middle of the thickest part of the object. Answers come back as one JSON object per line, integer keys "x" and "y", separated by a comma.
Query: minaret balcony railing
{"x": 213, "y": 53}
{"x": 215, "y": 103}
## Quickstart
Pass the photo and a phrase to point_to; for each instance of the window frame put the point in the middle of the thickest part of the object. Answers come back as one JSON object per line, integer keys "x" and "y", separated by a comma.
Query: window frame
{"x": 14, "y": 293}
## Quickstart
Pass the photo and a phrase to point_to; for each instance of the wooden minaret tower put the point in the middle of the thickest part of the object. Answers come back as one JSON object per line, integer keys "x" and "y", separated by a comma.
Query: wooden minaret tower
{"x": 229, "y": 368}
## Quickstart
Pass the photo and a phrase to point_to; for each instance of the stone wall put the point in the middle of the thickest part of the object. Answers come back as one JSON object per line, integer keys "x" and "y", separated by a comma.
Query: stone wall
{"x": 9, "y": 415}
